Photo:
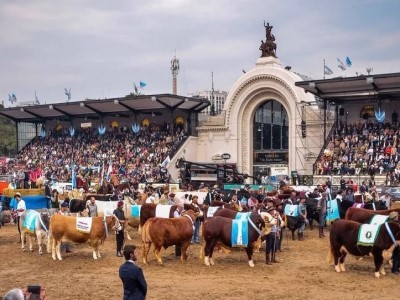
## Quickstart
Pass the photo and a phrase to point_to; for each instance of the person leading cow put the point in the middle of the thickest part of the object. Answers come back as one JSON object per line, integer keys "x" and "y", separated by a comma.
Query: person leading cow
{"x": 321, "y": 206}
{"x": 119, "y": 213}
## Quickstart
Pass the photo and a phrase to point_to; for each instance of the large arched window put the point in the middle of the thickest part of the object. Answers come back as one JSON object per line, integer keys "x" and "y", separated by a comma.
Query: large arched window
{"x": 270, "y": 137}
{"x": 271, "y": 127}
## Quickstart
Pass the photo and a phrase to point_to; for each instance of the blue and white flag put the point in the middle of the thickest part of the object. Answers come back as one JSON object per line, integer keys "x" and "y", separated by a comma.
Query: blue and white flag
{"x": 109, "y": 171}
{"x": 341, "y": 64}
{"x": 142, "y": 84}
{"x": 68, "y": 94}
{"x": 348, "y": 62}
{"x": 166, "y": 161}
{"x": 12, "y": 98}
{"x": 327, "y": 70}
{"x": 73, "y": 177}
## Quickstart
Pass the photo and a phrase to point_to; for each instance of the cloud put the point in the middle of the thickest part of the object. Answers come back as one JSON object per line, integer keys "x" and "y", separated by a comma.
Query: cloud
{"x": 100, "y": 47}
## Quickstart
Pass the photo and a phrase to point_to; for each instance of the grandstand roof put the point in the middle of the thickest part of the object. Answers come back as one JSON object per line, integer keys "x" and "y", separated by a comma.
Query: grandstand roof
{"x": 103, "y": 107}
{"x": 355, "y": 89}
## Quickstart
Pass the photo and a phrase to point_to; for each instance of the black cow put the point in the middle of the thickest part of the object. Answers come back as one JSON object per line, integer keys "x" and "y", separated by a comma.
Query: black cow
{"x": 312, "y": 211}
{"x": 344, "y": 205}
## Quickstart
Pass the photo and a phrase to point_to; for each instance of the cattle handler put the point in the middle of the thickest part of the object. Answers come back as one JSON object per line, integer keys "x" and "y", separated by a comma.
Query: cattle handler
{"x": 119, "y": 234}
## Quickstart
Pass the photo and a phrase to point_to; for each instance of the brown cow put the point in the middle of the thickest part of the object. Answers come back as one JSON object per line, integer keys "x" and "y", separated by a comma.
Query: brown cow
{"x": 218, "y": 229}
{"x": 167, "y": 232}
{"x": 343, "y": 240}
{"x": 363, "y": 214}
{"x": 65, "y": 226}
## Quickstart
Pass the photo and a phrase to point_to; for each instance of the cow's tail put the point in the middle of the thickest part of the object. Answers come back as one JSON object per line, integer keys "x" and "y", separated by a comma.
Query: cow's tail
{"x": 329, "y": 257}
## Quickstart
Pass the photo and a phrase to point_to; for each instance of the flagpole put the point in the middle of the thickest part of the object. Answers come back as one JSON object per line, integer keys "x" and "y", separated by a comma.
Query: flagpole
{"x": 324, "y": 68}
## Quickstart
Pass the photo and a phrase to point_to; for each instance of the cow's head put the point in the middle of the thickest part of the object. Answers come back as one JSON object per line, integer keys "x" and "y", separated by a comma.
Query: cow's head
{"x": 45, "y": 216}
{"x": 193, "y": 215}
{"x": 258, "y": 220}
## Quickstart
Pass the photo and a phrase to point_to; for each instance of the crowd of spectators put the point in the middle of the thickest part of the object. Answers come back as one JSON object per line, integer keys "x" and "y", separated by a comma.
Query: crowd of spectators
{"x": 363, "y": 148}
{"x": 133, "y": 157}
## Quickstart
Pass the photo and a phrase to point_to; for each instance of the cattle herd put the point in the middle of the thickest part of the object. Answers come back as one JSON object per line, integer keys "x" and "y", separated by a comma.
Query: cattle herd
{"x": 159, "y": 229}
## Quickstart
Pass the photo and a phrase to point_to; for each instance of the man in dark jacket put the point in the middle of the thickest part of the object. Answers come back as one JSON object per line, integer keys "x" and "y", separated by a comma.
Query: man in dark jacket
{"x": 135, "y": 286}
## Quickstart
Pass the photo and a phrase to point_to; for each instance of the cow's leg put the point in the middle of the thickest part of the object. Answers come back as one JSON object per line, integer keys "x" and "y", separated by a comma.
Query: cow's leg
{"x": 249, "y": 251}
{"x": 378, "y": 260}
{"x": 53, "y": 249}
{"x": 293, "y": 230}
{"x": 94, "y": 246}
{"x": 185, "y": 245}
{"x": 39, "y": 240}
{"x": 30, "y": 243}
{"x": 212, "y": 246}
{"x": 145, "y": 251}
{"x": 22, "y": 240}
{"x": 127, "y": 235}
{"x": 98, "y": 251}
{"x": 336, "y": 255}
{"x": 58, "y": 249}
{"x": 341, "y": 261}
{"x": 157, "y": 250}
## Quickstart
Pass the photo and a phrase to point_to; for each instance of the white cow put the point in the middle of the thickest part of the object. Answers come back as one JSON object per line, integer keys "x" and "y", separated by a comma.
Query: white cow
{"x": 33, "y": 223}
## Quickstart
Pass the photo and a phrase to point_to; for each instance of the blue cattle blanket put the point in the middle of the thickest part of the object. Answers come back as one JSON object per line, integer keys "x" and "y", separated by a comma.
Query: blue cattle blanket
{"x": 241, "y": 216}
{"x": 367, "y": 234}
{"x": 30, "y": 220}
{"x": 332, "y": 211}
{"x": 240, "y": 233}
{"x": 136, "y": 210}
{"x": 292, "y": 210}
{"x": 379, "y": 219}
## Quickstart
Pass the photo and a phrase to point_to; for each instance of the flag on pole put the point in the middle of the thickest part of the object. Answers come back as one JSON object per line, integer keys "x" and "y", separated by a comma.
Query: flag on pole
{"x": 341, "y": 64}
{"x": 73, "y": 177}
{"x": 348, "y": 62}
{"x": 166, "y": 161}
{"x": 327, "y": 70}
{"x": 109, "y": 171}
{"x": 142, "y": 84}
{"x": 12, "y": 98}
{"x": 36, "y": 99}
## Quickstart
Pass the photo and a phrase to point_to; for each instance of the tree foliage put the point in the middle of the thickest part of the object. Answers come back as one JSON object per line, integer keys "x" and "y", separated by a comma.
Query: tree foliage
{"x": 8, "y": 137}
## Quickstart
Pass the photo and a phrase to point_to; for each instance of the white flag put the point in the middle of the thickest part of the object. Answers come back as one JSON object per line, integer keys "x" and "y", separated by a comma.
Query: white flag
{"x": 341, "y": 65}
{"x": 166, "y": 161}
{"x": 327, "y": 70}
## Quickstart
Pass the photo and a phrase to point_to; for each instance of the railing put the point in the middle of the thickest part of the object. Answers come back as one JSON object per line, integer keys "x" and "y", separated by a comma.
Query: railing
{"x": 326, "y": 142}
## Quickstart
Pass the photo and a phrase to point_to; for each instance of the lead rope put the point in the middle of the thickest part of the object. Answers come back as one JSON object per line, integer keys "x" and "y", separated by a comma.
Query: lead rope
{"x": 105, "y": 226}
{"x": 254, "y": 226}
{"x": 391, "y": 234}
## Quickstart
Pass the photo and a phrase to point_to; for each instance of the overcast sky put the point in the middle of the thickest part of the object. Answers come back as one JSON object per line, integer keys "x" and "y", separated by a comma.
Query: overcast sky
{"x": 99, "y": 48}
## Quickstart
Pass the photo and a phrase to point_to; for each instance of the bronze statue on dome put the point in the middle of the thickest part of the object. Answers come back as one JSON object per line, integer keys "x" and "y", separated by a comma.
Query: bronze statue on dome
{"x": 268, "y": 48}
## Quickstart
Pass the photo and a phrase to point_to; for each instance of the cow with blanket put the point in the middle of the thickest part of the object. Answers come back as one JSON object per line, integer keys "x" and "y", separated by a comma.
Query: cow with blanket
{"x": 360, "y": 240}
{"x": 362, "y": 215}
{"x": 163, "y": 232}
{"x": 296, "y": 216}
{"x": 81, "y": 230}
{"x": 34, "y": 224}
{"x": 232, "y": 233}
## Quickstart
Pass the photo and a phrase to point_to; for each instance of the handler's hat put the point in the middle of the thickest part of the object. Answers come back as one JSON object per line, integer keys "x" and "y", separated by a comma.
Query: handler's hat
{"x": 120, "y": 203}
{"x": 17, "y": 194}
{"x": 271, "y": 209}
{"x": 393, "y": 215}
{"x": 172, "y": 195}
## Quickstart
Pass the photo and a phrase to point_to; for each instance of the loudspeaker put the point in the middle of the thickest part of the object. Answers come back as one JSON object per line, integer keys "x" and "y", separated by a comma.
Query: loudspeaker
{"x": 303, "y": 129}
{"x": 341, "y": 111}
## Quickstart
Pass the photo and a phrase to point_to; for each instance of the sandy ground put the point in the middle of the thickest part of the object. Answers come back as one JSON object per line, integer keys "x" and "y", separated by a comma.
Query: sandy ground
{"x": 301, "y": 274}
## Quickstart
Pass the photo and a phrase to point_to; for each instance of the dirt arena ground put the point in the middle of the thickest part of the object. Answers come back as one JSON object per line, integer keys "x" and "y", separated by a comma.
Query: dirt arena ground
{"x": 301, "y": 274}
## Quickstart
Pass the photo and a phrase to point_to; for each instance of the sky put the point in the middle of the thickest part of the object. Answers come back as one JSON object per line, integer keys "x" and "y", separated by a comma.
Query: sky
{"x": 99, "y": 48}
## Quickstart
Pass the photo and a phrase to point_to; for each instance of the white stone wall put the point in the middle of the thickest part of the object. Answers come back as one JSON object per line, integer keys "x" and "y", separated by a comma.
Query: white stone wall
{"x": 268, "y": 80}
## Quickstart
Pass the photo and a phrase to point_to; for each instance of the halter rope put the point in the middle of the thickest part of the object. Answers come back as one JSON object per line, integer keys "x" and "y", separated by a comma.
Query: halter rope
{"x": 41, "y": 222}
{"x": 254, "y": 226}
{"x": 390, "y": 234}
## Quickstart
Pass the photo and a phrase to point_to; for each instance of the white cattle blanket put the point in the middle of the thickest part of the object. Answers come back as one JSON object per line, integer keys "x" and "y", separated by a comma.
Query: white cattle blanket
{"x": 84, "y": 224}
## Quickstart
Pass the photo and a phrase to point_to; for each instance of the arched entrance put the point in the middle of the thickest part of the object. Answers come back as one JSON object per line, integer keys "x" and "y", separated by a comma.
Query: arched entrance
{"x": 270, "y": 139}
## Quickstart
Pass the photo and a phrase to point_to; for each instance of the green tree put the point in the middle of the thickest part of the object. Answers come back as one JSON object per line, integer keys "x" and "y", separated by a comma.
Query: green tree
{"x": 8, "y": 137}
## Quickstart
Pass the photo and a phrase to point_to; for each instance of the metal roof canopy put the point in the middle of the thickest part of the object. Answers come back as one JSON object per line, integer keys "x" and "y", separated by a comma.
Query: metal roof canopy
{"x": 355, "y": 89}
{"x": 103, "y": 107}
